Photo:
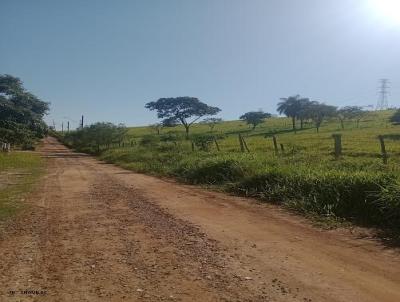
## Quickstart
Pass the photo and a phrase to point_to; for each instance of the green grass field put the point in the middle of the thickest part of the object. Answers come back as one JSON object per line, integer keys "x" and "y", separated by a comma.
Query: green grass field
{"x": 357, "y": 141}
{"x": 305, "y": 177}
{"x": 19, "y": 171}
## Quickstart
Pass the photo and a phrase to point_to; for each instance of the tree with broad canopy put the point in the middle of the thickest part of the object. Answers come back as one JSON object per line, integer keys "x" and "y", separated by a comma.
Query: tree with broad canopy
{"x": 294, "y": 107}
{"x": 21, "y": 113}
{"x": 320, "y": 111}
{"x": 255, "y": 117}
{"x": 212, "y": 122}
{"x": 181, "y": 110}
{"x": 350, "y": 113}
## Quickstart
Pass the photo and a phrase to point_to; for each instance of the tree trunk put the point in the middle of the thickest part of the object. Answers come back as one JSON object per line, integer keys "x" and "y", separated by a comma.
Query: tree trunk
{"x": 342, "y": 124}
{"x": 301, "y": 123}
{"x": 294, "y": 123}
{"x": 187, "y": 131}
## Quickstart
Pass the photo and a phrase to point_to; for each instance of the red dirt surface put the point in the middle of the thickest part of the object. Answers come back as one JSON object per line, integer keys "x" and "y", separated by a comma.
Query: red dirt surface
{"x": 95, "y": 232}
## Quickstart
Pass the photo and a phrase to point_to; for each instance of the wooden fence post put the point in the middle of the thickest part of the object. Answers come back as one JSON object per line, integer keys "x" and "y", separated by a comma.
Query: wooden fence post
{"x": 338, "y": 145}
{"x": 245, "y": 145}
{"x": 216, "y": 144}
{"x": 383, "y": 149}
{"x": 282, "y": 148}
{"x": 192, "y": 146}
{"x": 241, "y": 143}
{"x": 275, "y": 144}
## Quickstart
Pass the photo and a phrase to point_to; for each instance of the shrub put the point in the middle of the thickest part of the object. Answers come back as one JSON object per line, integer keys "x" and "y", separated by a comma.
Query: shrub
{"x": 342, "y": 194}
{"x": 395, "y": 118}
{"x": 170, "y": 137}
{"x": 204, "y": 141}
{"x": 149, "y": 140}
{"x": 387, "y": 200}
{"x": 212, "y": 171}
{"x": 28, "y": 146}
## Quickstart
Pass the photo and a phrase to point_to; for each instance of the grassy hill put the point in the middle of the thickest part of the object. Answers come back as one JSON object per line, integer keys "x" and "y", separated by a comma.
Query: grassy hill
{"x": 358, "y": 140}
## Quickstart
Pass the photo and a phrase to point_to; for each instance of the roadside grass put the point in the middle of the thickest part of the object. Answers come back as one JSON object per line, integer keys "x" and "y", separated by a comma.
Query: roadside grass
{"x": 19, "y": 171}
{"x": 304, "y": 176}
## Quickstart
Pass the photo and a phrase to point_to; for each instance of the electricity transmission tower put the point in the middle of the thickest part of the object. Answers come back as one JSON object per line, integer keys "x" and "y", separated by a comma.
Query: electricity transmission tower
{"x": 383, "y": 92}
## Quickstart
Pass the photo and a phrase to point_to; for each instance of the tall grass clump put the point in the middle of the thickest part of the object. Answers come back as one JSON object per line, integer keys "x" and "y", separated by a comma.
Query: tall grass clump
{"x": 329, "y": 193}
{"x": 145, "y": 160}
{"x": 212, "y": 170}
{"x": 19, "y": 171}
{"x": 387, "y": 200}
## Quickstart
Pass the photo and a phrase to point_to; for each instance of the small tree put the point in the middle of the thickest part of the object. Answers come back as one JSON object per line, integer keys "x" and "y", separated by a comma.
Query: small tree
{"x": 91, "y": 137}
{"x": 120, "y": 133}
{"x": 212, "y": 122}
{"x": 157, "y": 127}
{"x": 181, "y": 109}
{"x": 304, "y": 111}
{"x": 255, "y": 117}
{"x": 350, "y": 113}
{"x": 395, "y": 118}
{"x": 295, "y": 108}
{"x": 21, "y": 113}
{"x": 319, "y": 111}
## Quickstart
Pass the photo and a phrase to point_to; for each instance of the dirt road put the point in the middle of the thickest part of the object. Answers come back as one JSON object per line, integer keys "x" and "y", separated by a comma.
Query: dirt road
{"x": 95, "y": 232}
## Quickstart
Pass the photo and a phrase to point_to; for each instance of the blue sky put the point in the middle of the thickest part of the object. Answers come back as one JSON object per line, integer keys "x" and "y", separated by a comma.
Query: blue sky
{"x": 106, "y": 59}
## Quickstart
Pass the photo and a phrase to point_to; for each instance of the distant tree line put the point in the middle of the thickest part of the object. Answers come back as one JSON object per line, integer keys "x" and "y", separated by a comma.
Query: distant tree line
{"x": 91, "y": 138}
{"x": 187, "y": 110}
{"x": 302, "y": 109}
{"x": 21, "y": 113}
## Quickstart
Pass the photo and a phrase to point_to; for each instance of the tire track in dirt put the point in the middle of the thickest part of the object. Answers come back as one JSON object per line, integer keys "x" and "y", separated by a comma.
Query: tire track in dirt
{"x": 168, "y": 249}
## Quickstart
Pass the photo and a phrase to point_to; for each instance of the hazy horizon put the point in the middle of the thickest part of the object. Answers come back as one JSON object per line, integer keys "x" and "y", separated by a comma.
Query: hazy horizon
{"x": 106, "y": 60}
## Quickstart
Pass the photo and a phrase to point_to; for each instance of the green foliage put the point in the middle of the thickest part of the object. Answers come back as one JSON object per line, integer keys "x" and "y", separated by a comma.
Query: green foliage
{"x": 180, "y": 109}
{"x": 304, "y": 176}
{"x": 157, "y": 127}
{"x": 255, "y": 117}
{"x": 19, "y": 171}
{"x": 212, "y": 122}
{"x": 293, "y": 107}
{"x": 149, "y": 140}
{"x": 204, "y": 141}
{"x": 91, "y": 138}
{"x": 387, "y": 200}
{"x": 395, "y": 118}
{"x": 170, "y": 137}
{"x": 21, "y": 113}
{"x": 350, "y": 113}
{"x": 332, "y": 193}
{"x": 216, "y": 170}
{"x": 319, "y": 111}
